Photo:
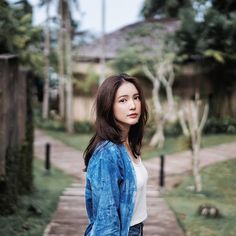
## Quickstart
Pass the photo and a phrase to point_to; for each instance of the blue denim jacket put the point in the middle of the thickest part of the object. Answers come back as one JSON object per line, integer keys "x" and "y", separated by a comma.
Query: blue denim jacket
{"x": 110, "y": 191}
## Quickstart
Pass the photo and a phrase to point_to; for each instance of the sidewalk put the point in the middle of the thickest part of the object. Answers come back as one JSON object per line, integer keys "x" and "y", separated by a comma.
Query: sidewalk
{"x": 70, "y": 218}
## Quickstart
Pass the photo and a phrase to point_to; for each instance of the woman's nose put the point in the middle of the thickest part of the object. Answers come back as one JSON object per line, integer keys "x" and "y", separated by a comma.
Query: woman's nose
{"x": 132, "y": 105}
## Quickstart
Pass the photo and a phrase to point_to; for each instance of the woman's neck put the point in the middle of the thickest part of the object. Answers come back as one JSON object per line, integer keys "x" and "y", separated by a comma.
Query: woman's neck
{"x": 125, "y": 134}
{"x": 125, "y": 137}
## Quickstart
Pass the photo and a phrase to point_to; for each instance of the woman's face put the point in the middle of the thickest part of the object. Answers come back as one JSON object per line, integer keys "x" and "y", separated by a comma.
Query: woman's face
{"x": 127, "y": 105}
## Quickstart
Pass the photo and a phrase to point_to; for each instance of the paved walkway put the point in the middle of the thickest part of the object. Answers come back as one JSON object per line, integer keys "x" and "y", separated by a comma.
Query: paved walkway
{"x": 70, "y": 217}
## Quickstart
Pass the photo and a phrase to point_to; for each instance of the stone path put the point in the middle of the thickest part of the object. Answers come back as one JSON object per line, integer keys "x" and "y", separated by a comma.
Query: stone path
{"x": 70, "y": 217}
{"x": 178, "y": 164}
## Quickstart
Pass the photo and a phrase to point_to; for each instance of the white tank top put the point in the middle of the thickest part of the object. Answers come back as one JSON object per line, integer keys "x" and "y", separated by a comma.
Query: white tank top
{"x": 140, "y": 206}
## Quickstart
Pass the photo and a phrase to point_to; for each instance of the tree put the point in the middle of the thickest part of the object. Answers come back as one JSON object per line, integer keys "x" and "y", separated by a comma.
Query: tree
{"x": 66, "y": 25}
{"x": 46, "y": 58}
{"x": 25, "y": 39}
{"x": 192, "y": 122}
{"x": 207, "y": 36}
{"x": 225, "y": 6}
{"x": 163, "y": 8}
{"x": 154, "y": 54}
{"x": 208, "y": 31}
{"x": 160, "y": 71}
{"x": 65, "y": 8}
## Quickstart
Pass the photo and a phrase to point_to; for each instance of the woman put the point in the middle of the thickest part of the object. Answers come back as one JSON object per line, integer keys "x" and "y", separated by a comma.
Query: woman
{"x": 116, "y": 178}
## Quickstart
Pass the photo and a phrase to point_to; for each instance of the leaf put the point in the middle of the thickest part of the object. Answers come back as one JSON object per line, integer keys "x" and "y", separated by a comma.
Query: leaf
{"x": 26, "y": 19}
{"x": 217, "y": 55}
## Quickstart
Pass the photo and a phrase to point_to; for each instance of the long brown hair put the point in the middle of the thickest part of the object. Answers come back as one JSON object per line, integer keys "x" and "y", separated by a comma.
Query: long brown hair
{"x": 105, "y": 124}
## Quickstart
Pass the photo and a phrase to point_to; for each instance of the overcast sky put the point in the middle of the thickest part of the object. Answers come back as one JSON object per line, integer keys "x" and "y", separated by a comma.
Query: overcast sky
{"x": 118, "y": 13}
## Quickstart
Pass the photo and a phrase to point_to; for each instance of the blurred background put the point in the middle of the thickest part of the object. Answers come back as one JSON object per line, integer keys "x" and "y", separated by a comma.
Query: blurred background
{"x": 54, "y": 54}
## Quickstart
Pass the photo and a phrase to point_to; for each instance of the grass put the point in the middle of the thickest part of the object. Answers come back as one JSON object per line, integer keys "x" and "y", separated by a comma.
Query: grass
{"x": 178, "y": 144}
{"x": 78, "y": 141}
{"x": 172, "y": 144}
{"x": 48, "y": 188}
{"x": 219, "y": 189}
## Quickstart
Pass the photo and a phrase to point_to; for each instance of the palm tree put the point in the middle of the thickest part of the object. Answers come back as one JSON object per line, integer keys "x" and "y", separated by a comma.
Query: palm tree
{"x": 64, "y": 9}
{"x": 46, "y": 55}
{"x": 65, "y": 60}
{"x": 61, "y": 59}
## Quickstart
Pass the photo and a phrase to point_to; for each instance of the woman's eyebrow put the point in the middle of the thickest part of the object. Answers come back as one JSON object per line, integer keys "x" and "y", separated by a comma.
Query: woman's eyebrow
{"x": 128, "y": 95}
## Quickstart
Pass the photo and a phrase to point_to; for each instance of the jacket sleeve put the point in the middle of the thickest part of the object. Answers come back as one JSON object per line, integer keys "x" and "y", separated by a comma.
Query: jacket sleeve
{"x": 104, "y": 177}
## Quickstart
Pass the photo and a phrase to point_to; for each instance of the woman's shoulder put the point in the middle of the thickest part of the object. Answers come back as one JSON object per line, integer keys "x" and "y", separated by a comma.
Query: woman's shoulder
{"x": 107, "y": 146}
{"x": 107, "y": 151}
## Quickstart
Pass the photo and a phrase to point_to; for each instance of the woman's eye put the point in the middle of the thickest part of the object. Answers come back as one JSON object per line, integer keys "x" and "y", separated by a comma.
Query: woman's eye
{"x": 122, "y": 100}
{"x": 136, "y": 98}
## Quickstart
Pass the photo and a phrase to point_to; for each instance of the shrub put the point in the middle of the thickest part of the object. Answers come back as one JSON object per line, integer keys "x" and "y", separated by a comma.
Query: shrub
{"x": 50, "y": 124}
{"x": 83, "y": 127}
{"x": 173, "y": 130}
{"x": 220, "y": 125}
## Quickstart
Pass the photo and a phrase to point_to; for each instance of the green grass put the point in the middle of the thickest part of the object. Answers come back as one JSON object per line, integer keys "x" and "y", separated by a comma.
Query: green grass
{"x": 48, "y": 188}
{"x": 219, "y": 189}
{"x": 178, "y": 144}
{"x": 172, "y": 144}
{"x": 78, "y": 141}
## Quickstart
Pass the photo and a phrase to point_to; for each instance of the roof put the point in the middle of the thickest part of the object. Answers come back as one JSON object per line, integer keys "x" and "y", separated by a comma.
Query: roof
{"x": 126, "y": 36}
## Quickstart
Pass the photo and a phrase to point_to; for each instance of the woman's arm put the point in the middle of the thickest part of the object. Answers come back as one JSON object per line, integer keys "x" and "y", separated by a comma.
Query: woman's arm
{"x": 103, "y": 194}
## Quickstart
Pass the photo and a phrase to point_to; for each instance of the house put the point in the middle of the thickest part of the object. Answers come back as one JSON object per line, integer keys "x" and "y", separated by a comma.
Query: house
{"x": 190, "y": 78}
{"x": 87, "y": 57}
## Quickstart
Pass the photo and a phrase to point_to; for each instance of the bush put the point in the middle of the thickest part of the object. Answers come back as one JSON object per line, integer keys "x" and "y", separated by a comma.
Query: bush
{"x": 173, "y": 130}
{"x": 84, "y": 127}
{"x": 50, "y": 124}
{"x": 220, "y": 125}
{"x": 170, "y": 130}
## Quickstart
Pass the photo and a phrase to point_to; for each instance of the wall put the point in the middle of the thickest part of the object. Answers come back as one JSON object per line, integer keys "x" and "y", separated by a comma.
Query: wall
{"x": 83, "y": 108}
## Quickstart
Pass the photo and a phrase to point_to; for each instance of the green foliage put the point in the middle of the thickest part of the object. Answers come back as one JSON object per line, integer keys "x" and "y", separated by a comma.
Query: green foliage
{"x": 147, "y": 45}
{"x": 18, "y": 36}
{"x": 224, "y": 6}
{"x": 87, "y": 85}
{"x": 173, "y": 130}
{"x": 50, "y": 124}
{"x": 220, "y": 125}
{"x": 162, "y": 8}
{"x": 218, "y": 190}
{"x": 208, "y": 32}
{"x": 126, "y": 60}
{"x": 83, "y": 127}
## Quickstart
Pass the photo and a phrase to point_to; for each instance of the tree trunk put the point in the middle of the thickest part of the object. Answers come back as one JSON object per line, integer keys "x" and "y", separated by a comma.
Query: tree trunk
{"x": 195, "y": 168}
{"x": 69, "y": 88}
{"x": 158, "y": 138}
{"x": 61, "y": 73}
{"x": 46, "y": 67}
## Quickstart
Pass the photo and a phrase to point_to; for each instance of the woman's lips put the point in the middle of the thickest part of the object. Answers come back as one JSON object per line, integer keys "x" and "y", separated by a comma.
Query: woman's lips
{"x": 133, "y": 115}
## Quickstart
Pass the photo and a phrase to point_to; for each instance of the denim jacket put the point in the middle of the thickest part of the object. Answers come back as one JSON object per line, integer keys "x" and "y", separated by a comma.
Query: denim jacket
{"x": 110, "y": 191}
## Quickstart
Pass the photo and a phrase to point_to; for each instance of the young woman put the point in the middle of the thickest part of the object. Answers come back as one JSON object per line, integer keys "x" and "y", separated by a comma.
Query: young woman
{"x": 116, "y": 178}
